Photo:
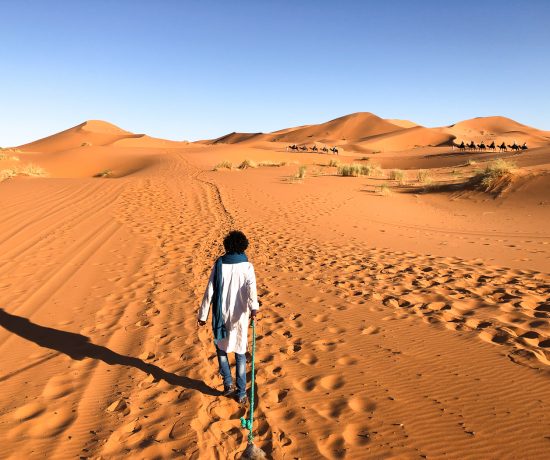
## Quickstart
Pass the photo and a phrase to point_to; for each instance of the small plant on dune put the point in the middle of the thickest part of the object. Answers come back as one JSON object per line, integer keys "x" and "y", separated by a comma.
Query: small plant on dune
{"x": 4, "y": 156}
{"x": 272, "y": 163}
{"x": 472, "y": 162}
{"x": 105, "y": 173}
{"x": 333, "y": 163}
{"x": 376, "y": 151}
{"x": 7, "y": 174}
{"x": 223, "y": 165}
{"x": 371, "y": 169}
{"x": 247, "y": 164}
{"x": 356, "y": 170}
{"x": 385, "y": 190}
{"x": 32, "y": 170}
{"x": 496, "y": 176}
{"x": 424, "y": 176}
{"x": 301, "y": 172}
{"x": 398, "y": 175}
{"x": 85, "y": 144}
{"x": 364, "y": 159}
{"x": 351, "y": 170}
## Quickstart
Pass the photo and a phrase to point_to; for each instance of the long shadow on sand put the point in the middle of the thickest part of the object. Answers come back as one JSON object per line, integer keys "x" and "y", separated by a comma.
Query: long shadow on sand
{"x": 78, "y": 347}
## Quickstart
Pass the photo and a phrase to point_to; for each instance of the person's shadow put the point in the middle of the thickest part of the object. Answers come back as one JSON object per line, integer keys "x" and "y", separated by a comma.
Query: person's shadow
{"x": 78, "y": 346}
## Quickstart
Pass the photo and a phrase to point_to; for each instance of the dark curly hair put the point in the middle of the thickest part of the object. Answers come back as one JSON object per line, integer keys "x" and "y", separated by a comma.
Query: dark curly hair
{"x": 235, "y": 241}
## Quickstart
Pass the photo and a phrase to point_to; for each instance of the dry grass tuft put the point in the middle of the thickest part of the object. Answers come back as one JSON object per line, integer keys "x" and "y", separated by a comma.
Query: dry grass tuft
{"x": 274, "y": 164}
{"x": 496, "y": 176}
{"x": 385, "y": 190}
{"x": 223, "y": 165}
{"x": 424, "y": 176}
{"x": 27, "y": 170}
{"x": 301, "y": 173}
{"x": 5, "y": 156}
{"x": 356, "y": 170}
{"x": 398, "y": 175}
{"x": 32, "y": 170}
{"x": 333, "y": 163}
{"x": 6, "y": 174}
{"x": 105, "y": 173}
{"x": 247, "y": 164}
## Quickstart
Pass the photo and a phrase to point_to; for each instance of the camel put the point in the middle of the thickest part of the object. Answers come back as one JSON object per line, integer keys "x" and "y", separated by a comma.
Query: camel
{"x": 334, "y": 150}
{"x": 292, "y": 147}
{"x": 514, "y": 147}
{"x": 314, "y": 148}
{"x": 324, "y": 149}
{"x": 481, "y": 147}
{"x": 303, "y": 148}
{"x": 492, "y": 146}
{"x": 524, "y": 146}
{"x": 471, "y": 146}
{"x": 502, "y": 147}
{"x": 461, "y": 146}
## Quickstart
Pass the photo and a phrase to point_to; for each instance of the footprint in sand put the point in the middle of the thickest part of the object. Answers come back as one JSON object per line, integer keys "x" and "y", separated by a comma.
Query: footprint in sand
{"x": 356, "y": 435}
{"x": 306, "y": 384}
{"x": 309, "y": 359}
{"x": 361, "y": 404}
{"x": 370, "y": 330}
{"x": 346, "y": 361}
{"x": 332, "y": 382}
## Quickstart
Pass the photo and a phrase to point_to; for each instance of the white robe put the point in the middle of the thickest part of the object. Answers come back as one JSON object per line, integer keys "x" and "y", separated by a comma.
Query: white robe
{"x": 239, "y": 297}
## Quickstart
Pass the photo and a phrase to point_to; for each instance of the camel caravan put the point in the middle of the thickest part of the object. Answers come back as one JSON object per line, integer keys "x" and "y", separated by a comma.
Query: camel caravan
{"x": 305, "y": 148}
{"x": 472, "y": 146}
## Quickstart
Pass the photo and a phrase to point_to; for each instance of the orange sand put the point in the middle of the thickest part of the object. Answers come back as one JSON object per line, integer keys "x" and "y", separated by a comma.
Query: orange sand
{"x": 408, "y": 325}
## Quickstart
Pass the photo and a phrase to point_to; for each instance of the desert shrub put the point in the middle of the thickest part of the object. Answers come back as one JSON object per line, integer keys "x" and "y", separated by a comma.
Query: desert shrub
{"x": 333, "y": 163}
{"x": 364, "y": 159}
{"x": 385, "y": 190}
{"x": 7, "y": 174}
{"x": 376, "y": 151}
{"x": 301, "y": 172}
{"x": 247, "y": 164}
{"x": 424, "y": 176}
{"x": 355, "y": 170}
{"x": 105, "y": 173}
{"x": 85, "y": 144}
{"x": 272, "y": 163}
{"x": 5, "y": 156}
{"x": 397, "y": 174}
{"x": 223, "y": 165}
{"x": 371, "y": 169}
{"x": 31, "y": 170}
{"x": 472, "y": 162}
{"x": 495, "y": 176}
{"x": 351, "y": 170}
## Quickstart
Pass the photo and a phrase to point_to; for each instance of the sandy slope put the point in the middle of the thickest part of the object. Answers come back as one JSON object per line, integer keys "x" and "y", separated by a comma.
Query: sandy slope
{"x": 403, "y": 326}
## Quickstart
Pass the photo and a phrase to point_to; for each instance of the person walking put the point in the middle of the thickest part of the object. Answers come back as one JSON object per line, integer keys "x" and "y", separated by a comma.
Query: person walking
{"x": 231, "y": 291}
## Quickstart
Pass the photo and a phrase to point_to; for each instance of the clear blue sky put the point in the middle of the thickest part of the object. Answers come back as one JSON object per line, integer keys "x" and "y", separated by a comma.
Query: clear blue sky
{"x": 200, "y": 69}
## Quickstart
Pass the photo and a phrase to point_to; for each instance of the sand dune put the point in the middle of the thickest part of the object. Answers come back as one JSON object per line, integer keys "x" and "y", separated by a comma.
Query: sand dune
{"x": 414, "y": 324}
{"x": 364, "y": 131}
{"x": 500, "y": 129}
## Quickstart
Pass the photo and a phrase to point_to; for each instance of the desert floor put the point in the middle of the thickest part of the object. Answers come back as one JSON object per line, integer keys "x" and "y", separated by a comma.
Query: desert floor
{"x": 414, "y": 324}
